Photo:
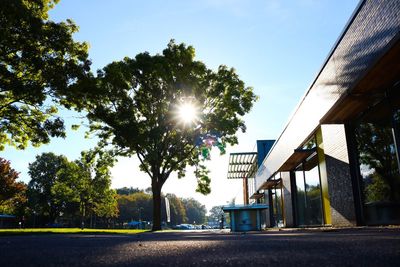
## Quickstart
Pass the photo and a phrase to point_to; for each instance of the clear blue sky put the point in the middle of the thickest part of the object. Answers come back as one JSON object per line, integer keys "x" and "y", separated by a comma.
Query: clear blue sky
{"x": 276, "y": 46}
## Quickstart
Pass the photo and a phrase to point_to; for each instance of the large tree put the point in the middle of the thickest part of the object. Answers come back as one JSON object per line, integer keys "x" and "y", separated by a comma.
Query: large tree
{"x": 137, "y": 105}
{"x": 84, "y": 184}
{"x": 44, "y": 174}
{"x": 73, "y": 188}
{"x": 39, "y": 62}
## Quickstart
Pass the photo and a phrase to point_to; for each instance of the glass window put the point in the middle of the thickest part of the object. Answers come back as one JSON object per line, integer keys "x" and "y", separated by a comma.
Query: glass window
{"x": 378, "y": 163}
{"x": 308, "y": 192}
{"x": 277, "y": 202}
{"x": 310, "y": 144}
{"x": 300, "y": 195}
{"x": 313, "y": 192}
{"x": 278, "y": 206}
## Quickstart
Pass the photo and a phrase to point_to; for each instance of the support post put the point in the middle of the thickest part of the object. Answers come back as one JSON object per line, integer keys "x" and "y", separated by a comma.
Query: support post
{"x": 233, "y": 223}
{"x": 245, "y": 191}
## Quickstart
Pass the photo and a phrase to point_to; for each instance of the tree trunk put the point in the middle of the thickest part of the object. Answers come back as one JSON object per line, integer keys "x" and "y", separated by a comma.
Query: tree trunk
{"x": 156, "y": 188}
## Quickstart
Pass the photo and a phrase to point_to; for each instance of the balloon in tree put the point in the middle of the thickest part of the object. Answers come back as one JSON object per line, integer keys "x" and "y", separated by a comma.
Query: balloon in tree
{"x": 206, "y": 141}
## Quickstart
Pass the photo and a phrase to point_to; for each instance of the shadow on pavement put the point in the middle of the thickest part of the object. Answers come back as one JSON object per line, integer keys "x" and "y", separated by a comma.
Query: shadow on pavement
{"x": 345, "y": 247}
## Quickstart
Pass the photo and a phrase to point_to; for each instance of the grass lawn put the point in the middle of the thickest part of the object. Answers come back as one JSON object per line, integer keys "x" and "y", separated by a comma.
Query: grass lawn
{"x": 68, "y": 231}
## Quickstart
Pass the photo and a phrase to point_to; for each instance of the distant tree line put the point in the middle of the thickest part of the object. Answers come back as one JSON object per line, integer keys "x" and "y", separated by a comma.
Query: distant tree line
{"x": 78, "y": 193}
{"x": 63, "y": 192}
{"x": 137, "y": 205}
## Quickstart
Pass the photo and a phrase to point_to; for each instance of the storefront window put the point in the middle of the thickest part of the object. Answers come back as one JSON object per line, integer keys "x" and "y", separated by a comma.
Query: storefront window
{"x": 277, "y": 202}
{"x": 378, "y": 162}
{"x": 300, "y": 195}
{"x": 308, "y": 190}
{"x": 310, "y": 144}
{"x": 313, "y": 192}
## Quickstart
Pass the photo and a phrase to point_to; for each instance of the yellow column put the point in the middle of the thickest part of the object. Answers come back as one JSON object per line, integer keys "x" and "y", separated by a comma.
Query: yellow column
{"x": 324, "y": 178}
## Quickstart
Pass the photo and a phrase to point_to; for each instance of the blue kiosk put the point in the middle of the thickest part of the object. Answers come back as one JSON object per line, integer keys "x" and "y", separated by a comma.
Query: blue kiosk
{"x": 245, "y": 217}
{"x": 244, "y": 165}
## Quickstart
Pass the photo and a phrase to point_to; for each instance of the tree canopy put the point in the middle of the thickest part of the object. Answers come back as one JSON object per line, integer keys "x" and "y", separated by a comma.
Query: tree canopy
{"x": 216, "y": 213}
{"x": 43, "y": 172}
{"x": 128, "y": 190}
{"x": 195, "y": 211}
{"x": 81, "y": 187}
{"x": 177, "y": 210}
{"x": 136, "y": 108}
{"x": 39, "y": 62}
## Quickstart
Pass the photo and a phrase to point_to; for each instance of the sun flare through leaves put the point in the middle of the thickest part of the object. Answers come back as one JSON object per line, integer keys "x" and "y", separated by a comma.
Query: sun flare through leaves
{"x": 187, "y": 113}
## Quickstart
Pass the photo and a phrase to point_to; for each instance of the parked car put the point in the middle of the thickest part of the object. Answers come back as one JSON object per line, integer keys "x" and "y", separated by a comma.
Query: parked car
{"x": 184, "y": 226}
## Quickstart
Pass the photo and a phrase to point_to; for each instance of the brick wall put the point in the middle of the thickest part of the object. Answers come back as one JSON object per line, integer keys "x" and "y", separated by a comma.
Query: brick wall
{"x": 287, "y": 200}
{"x": 338, "y": 174}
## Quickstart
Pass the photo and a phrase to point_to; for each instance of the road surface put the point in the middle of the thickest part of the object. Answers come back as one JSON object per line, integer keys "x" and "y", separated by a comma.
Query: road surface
{"x": 343, "y": 247}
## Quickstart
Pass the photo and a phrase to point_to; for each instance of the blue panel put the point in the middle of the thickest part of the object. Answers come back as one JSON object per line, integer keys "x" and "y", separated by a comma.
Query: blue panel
{"x": 263, "y": 147}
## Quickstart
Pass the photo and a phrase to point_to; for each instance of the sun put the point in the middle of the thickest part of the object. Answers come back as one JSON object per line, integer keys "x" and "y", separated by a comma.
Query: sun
{"x": 188, "y": 113}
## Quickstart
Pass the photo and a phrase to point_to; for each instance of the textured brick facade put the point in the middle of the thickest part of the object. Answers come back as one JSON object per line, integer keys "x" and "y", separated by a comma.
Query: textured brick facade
{"x": 287, "y": 200}
{"x": 338, "y": 174}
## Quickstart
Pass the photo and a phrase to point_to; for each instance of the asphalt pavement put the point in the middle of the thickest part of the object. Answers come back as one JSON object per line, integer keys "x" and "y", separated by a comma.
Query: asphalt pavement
{"x": 327, "y": 247}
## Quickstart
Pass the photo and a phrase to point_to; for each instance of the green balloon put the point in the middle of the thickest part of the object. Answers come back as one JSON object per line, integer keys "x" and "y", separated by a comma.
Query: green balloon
{"x": 205, "y": 152}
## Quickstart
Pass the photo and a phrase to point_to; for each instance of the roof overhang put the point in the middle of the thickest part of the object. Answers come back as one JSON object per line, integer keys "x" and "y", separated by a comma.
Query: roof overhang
{"x": 298, "y": 156}
{"x": 363, "y": 64}
{"x": 270, "y": 183}
{"x": 370, "y": 89}
{"x": 257, "y": 195}
{"x": 242, "y": 165}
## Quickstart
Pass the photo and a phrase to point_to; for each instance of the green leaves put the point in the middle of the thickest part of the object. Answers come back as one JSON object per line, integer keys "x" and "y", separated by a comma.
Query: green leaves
{"x": 137, "y": 102}
{"x": 43, "y": 172}
{"x": 203, "y": 180}
{"x": 39, "y": 62}
{"x": 58, "y": 185}
{"x": 195, "y": 211}
{"x": 20, "y": 124}
{"x": 12, "y": 193}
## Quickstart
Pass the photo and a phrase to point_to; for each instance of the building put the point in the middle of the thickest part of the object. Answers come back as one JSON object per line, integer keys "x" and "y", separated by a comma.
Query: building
{"x": 244, "y": 165}
{"x": 337, "y": 160}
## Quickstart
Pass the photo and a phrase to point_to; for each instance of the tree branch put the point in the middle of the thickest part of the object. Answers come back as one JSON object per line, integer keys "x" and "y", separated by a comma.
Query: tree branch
{"x": 141, "y": 159}
{"x": 166, "y": 173}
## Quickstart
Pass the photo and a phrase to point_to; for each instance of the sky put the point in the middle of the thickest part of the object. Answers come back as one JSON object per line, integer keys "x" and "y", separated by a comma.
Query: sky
{"x": 276, "y": 46}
